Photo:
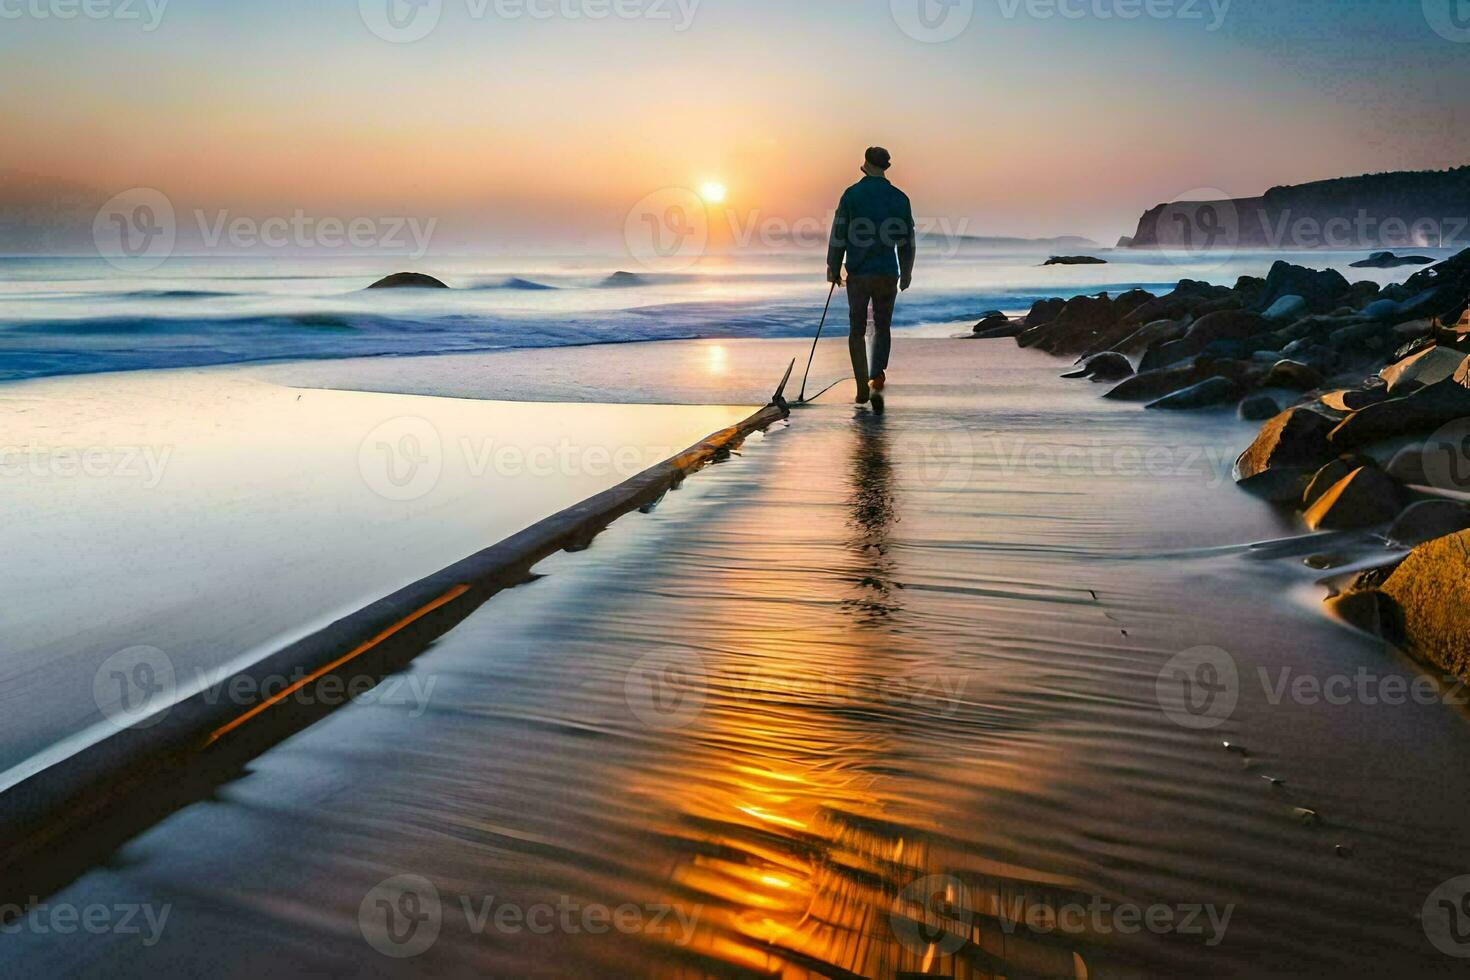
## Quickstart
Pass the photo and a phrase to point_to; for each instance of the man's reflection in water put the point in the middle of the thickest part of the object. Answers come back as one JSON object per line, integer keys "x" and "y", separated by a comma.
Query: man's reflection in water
{"x": 874, "y": 511}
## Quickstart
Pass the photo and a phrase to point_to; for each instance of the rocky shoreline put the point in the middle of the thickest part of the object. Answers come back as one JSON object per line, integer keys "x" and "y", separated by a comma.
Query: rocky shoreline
{"x": 1364, "y": 393}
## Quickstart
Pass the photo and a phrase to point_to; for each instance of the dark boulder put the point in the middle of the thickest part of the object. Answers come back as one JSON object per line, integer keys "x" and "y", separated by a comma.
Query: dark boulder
{"x": 1258, "y": 408}
{"x": 1425, "y": 409}
{"x": 1190, "y": 298}
{"x": 1205, "y": 394}
{"x": 1150, "y": 335}
{"x": 1427, "y": 367}
{"x": 1451, "y": 280}
{"x": 995, "y": 324}
{"x": 1149, "y": 385}
{"x": 998, "y": 331}
{"x": 408, "y": 280}
{"x": 1323, "y": 290}
{"x": 1044, "y": 311}
{"x": 1427, "y": 520}
{"x": 1287, "y": 451}
{"x": 1407, "y": 466}
{"x": 1366, "y": 497}
{"x": 1083, "y": 320}
{"x": 1126, "y": 303}
{"x": 1330, "y": 475}
{"x": 1075, "y": 260}
{"x": 1428, "y": 597}
{"x": 1388, "y": 260}
{"x": 1108, "y": 366}
{"x": 1293, "y": 375}
{"x": 1226, "y": 325}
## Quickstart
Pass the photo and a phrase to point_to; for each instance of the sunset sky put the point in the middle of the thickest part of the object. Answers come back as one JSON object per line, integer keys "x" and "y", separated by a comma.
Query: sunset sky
{"x": 519, "y": 129}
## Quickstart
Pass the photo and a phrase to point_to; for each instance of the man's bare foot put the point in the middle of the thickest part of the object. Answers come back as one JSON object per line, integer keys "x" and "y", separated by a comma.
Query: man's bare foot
{"x": 880, "y": 380}
{"x": 862, "y": 395}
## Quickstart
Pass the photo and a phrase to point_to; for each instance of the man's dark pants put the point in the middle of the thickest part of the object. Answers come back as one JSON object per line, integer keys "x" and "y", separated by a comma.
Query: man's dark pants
{"x": 881, "y": 293}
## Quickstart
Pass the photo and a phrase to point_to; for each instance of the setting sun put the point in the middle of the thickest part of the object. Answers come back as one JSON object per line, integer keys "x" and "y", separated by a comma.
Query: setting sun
{"x": 712, "y": 192}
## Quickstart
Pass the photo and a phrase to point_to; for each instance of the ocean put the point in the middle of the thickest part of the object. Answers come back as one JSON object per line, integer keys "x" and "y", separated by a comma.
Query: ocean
{"x": 81, "y": 315}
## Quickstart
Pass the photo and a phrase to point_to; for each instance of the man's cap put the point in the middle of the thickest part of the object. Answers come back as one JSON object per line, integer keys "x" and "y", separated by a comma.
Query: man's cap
{"x": 878, "y": 157}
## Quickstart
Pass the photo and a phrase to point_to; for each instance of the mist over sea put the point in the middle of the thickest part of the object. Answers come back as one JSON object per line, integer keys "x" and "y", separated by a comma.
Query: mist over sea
{"x": 82, "y": 315}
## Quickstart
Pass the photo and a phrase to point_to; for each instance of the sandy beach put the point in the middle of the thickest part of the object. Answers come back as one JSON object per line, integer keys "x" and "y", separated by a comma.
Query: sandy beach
{"x": 864, "y": 663}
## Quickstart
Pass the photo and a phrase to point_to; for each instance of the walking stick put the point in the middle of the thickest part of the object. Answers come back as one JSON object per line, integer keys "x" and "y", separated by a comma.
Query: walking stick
{"x": 830, "y": 293}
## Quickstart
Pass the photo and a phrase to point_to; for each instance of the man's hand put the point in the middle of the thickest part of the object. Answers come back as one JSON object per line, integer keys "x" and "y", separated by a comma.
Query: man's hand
{"x": 905, "y": 283}
{"x": 835, "y": 278}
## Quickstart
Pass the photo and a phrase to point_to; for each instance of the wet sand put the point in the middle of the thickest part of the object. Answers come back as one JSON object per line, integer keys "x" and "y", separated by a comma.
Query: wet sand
{"x": 865, "y": 663}
{"x": 210, "y": 518}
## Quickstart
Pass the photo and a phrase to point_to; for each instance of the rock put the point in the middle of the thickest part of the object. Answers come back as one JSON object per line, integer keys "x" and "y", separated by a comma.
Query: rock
{"x": 1427, "y": 520}
{"x": 1426, "y": 408}
{"x": 1211, "y": 391}
{"x": 1429, "y": 601}
{"x": 1321, "y": 290}
{"x": 1139, "y": 341}
{"x": 1351, "y": 400}
{"x": 1108, "y": 366}
{"x": 1149, "y": 385}
{"x": 1330, "y": 475}
{"x": 1258, "y": 408}
{"x": 1387, "y": 260}
{"x": 997, "y": 330}
{"x": 1361, "y": 294}
{"x": 1082, "y": 321}
{"x": 1190, "y": 298}
{"x": 1286, "y": 452}
{"x": 1407, "y": 466}
{"x": 1364, "y": 498}
{"x": 1236, "y": 325}
{"x": 1451, "y": 280}
{"x": 1043, "y": 311}
{"x": 1126, "y": 303}
{"x": 408, "y": 280}
{"x": 622, "y": 279}
{"x": 994, "y": 324}
{"x": 1286, "y": 309}
{"x": 1294, "y": 375}
{"x": 1074, "y": 260}
{"x": 1430, "y": 365}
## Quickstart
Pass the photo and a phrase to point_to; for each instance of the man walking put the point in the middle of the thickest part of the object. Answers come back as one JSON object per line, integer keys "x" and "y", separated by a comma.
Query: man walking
{"x": 874, "y": 231}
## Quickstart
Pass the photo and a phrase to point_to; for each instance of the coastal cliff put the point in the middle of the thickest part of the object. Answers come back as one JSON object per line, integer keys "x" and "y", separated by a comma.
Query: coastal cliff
{"x": 1426, "y": 208}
